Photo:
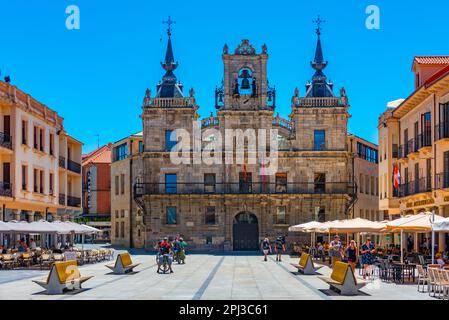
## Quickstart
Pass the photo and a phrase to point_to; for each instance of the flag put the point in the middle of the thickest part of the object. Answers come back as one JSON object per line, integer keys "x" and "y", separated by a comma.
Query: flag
{"x": 396, "y": 176}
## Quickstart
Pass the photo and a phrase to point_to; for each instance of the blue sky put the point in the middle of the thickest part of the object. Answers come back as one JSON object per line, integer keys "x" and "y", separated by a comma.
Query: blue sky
{"x": 96, "y": 77}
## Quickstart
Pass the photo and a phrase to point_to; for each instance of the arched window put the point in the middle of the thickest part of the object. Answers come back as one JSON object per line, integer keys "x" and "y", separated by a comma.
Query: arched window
{"x": 246, "y": 82}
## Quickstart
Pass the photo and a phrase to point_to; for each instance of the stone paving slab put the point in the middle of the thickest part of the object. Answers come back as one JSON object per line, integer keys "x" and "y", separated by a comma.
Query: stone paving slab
{"x": 205, "y": 277}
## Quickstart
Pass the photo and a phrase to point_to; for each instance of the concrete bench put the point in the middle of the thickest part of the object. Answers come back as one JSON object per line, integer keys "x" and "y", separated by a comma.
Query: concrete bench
{"x": 343, "y": 281}
{"x": 123, "y": 264}
{"x": 63, "y": 276}
{"x": 306, "y": 265}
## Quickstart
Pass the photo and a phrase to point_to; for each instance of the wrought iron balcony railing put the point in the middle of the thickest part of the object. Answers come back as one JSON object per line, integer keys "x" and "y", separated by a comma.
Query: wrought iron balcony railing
{"x": 424, "y": 140}
{"x": 141, "y": 189}
{"x": 73, "y": 201}
{"x": 416, "y": 186}
{"x": 441, "y": 131}
{"x": 5, "y": 141}
{"x": 5, "y": 189}
{"x": 442, "y": 180}
{"x": 412, "y": 146}
{"x": 62, "y": 199}
{"x": 73, "y": 166}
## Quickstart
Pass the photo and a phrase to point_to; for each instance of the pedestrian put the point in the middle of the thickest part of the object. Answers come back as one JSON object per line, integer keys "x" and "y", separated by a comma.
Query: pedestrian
{"x": 352, "y": 254}
{"x": 266, "y": 248}
{"x": 321, "y": 251}
{"x": 279, "y": 248}
{"x": 33, "y": 245}
{"x": 367, "y": 252}
{"x": 335, "y": 250}
{"x": 409, "y": 243}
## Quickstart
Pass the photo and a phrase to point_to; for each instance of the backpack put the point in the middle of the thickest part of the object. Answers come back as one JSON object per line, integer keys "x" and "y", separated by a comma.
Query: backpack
{"x": 266, "y": 245}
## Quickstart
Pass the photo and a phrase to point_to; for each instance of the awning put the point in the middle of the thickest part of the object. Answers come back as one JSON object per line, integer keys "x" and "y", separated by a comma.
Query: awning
{"x": 4, "y": 228}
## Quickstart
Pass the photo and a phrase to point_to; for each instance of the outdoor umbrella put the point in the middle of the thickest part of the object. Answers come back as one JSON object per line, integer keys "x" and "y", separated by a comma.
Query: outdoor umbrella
{"x": 441, "y": 225}
{"x": 36, "y": 227}
{"x": 307, "y": 227}
{"x": 421, "y": 222}
{"x": 356, "y": 225}
{"x": 4, "y": 227}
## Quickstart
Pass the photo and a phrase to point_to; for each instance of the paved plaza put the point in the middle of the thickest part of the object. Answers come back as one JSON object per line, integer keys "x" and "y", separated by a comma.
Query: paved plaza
{"x": 203, "y": 277}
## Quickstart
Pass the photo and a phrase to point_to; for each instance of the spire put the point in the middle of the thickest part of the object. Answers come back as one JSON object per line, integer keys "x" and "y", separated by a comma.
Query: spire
{"x": 319, "y": 87}
{"x": 169, "y": 88}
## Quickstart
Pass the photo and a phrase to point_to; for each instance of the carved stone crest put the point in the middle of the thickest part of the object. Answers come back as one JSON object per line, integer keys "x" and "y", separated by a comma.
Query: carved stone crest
{"x": 245, "y": 48}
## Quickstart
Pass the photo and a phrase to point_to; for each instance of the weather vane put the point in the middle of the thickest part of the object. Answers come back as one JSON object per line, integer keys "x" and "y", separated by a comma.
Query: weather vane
{"x": 318, "y": 22}
{"x": 169, "y": 22}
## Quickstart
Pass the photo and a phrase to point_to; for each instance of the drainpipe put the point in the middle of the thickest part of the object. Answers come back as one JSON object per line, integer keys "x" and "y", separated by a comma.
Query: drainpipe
{"x": 130, "y": 199}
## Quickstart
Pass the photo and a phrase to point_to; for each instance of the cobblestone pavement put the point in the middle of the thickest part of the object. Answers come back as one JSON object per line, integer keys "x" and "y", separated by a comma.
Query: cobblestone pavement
{"x": 202, "y": 277}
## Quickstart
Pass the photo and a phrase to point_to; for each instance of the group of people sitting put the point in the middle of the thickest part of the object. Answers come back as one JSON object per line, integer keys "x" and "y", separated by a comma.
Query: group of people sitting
{"x": 170, "y": 252}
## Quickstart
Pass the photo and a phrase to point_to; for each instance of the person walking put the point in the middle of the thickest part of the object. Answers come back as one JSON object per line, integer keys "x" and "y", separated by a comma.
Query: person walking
{"x": 335, "y": 250}
{"x": 367, "y": 252}
{"x": 266, "y": 248}
{"x": 279, "y": 248}
{"x": 352, "y": 254}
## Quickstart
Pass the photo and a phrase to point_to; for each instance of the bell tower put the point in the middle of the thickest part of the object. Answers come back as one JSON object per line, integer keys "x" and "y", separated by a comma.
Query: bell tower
{"x": 245, "y": 84}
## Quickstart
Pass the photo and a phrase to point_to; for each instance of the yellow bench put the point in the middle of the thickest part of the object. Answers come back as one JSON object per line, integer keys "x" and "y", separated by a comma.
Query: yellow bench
{"x": 123, "y": 264}
{"x": 342, "y": 280}
{"x": 63, "y": 276}
{"x": 305, "y": 264}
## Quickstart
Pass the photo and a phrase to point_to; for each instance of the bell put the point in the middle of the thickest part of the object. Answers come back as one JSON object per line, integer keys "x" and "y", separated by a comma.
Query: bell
{"x": 269, "y": 98}
{"x": 245, "y": 84}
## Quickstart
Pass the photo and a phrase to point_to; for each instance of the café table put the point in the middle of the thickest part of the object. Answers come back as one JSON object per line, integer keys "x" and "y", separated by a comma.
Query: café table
{"x": 404, "y": 271}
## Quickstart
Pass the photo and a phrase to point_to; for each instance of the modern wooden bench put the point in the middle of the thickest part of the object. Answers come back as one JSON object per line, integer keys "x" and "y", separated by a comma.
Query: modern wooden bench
{"x": 63, "y": 276}
{"x": 343, "y": 281}
{"x": 306, "y": 265}
{"x": 123, "y": 264}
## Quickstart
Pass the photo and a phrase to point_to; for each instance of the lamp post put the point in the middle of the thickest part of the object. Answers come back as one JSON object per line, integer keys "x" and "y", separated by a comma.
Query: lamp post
{"x": 433, "y": 237}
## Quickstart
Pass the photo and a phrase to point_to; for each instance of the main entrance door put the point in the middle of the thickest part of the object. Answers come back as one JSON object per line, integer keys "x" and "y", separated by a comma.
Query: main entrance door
{"x": 245, "y": 232}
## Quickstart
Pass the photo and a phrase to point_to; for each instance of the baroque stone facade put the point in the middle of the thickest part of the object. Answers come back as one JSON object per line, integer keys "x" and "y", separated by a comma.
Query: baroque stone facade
{"x": 233, "y": 206}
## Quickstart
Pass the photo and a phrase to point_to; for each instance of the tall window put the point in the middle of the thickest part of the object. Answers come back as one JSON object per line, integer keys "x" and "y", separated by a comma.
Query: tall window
{"x": 121, "y": 152}
{"x": 117, "y": 229}
{"x": 122, "y": 229}
{"x": 170, "y": 183}
{"x": 171, "y": 217}
{"x": 372, "y": 186}
{"x": 245, "y": 182}
{"x": 281, "y": 182}
{"x": 24, "y": 132}
{"x": 361, "y": 183}
{"x": 122, "y": 183}
{"x": 41, "y": 181}
{"x": 320, "y": 214}
{"x": 41, "y": 139}
{"x": 446, "y": 169}
{"x": 319, "y": 183}
{"x": 210, "y": 215}
{"x": 426, "y": 128}
{"x": 280, "y": 215}
{"x": 319, "y": 140}
{"x": 35, "y": 141}
{"x": 367, "y": 153}
{"x": 209, "y": 182}
{"x": 35, "y": 180}
{"x": 140, "y": 146}
{"x": 52, "y": 143}
{"x": 24, "y": 177}
{"x": 51, "y": 183}
{"x": 170, "y": 141}
{"x": 117, "y": 185}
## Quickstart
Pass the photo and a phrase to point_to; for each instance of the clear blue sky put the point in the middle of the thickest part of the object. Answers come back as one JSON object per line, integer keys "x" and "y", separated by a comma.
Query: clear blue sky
{"x": 96, "y": 77}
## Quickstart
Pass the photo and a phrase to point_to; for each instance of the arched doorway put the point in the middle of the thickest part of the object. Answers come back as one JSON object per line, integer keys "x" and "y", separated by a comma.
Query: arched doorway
{"x": 245, "y": 232}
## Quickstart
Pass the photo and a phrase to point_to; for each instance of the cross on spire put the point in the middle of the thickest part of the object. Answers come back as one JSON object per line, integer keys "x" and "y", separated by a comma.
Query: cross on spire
{"x": 318, "y": 23}
{"x": 169, "y": 22}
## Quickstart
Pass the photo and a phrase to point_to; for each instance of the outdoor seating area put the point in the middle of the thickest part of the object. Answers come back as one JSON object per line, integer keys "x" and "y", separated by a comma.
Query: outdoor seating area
{"x": 396, "y": 263}
{"x": 40, "y": 244}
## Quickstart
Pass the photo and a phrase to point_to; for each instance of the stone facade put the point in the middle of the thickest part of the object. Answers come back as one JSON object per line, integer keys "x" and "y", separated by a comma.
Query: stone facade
{"x": 211, "y": 205}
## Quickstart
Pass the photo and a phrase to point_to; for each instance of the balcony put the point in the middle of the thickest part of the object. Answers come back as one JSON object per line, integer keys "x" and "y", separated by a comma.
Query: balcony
{"x": 403, "y": 151}
{"x": 73, "y": 201}
{"x": 441, "y": 131}
{"x": 412, "y": 146}
{"x": 141, "y": 189}
{"x": 318, "y": 102}
{"x": 5, "y": 189}
{"x": 5, "y": 141}
{"x": 73, "y": 166}
{"x": 415, "y": 187}
{"x": 61, "y": 162}
{"x": 442, "y": 180}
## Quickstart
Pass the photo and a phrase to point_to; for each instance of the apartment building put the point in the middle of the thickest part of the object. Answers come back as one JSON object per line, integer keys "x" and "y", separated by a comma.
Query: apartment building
{"x": 127, "y": 229}
{"x": 40, "y": 162}
{"x": 414, "y": 144}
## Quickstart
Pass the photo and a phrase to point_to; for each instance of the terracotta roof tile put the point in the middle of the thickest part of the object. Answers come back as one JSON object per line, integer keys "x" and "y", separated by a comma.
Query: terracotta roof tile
{"x": 432, "y": 59}
{"x": 100, "y": 155}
